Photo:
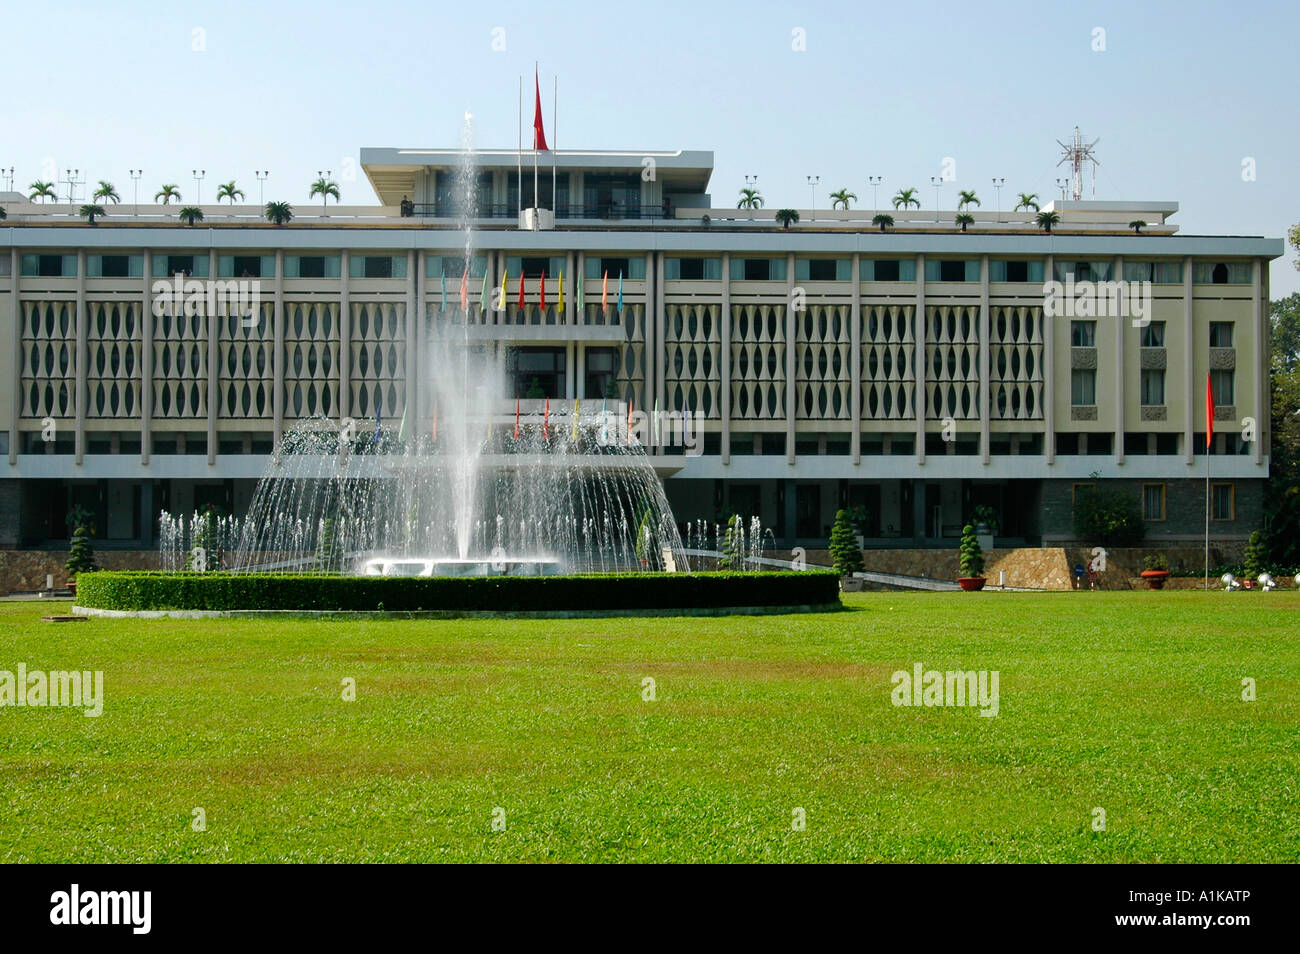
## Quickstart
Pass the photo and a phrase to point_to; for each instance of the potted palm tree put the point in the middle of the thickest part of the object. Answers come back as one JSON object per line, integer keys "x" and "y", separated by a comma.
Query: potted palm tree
{"x": 91, "y": 212}
{"x": 1157, "y": 570}
{"x": 228, "y": 190}
{"x": 882, "y": 220}
{"x": 191, "y": 214}
{"x": 1137, "y": 225}
{"x": 1046, "y": 220}
{"x": 279, "y": 213}
{"x": 964, "y": 219}
{"x": 1028, "y": 202}
{"x": 842, "y": 199}
{"x": 787, "y": 217}
{"x": 971, "y": 559}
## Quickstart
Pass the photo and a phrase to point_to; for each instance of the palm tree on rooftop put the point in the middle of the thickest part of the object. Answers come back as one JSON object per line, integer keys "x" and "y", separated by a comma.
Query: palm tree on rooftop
{"x": 166, "y": 194}
{"x": 228, "y": 190}
{"x": 1028, "y": 202}
{"x": 883, "y": 220}
{"x": 91, "y": 212}
{"x": 325, "y": 188}
{"x": 278, "y": 213}
{"x": 787, "y": 217}
{"x": 191, "y": 214}
{"x": 906, "y": 199}
{"x": 1046, "y": 220}
{"x": 964, "y": 219}
{"x": 106, "y": 192}
{"x": 842, "y": 199}
{"x": 41, "y": 190}
{"x": 966, "y": 198}
{"x": 750, "y": 199}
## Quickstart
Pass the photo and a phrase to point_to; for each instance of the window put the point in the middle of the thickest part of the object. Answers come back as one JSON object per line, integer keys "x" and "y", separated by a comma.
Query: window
{"x": 632, "y": 269}
{"x": 952, "y": 270}
{"x": 1223, "y": 502}
{"x": 49, "y": 266}
{"x": 378, "y": 266}
{"x": 1222, "y": 273}
{"x": 114, "y": 266}
{"x": 757, "y": 269}
{"x": 1221, "y": 383}
{"x": 1015, "y": 270}
{"x": 1083, "y": 334}
{"x": 1095, "y": 271}
{"x": 1153, "y": 335}
{"x": 602, "y": 365}
{"x": 311, "y": 266}
{"x": 1153, "y": 501}
{"x": 165, "y": 266}
{"x": 1221, "y": 334}
{"x": 453, "y": 266}
{"x": 4, "y": 266}
{"x": 1083, "y": 387}
{"x": 537, "y": 372}
{"x": 822, "y": 269}
{"x": 693, "y": 269}
{"x": 1160, "y": 273}
{"x": 1153, "y": 388}
{"x": 246, "y": 266}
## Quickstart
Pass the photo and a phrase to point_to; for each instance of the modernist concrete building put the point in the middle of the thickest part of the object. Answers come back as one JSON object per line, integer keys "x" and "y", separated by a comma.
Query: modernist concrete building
{"x": 909, "y": 369}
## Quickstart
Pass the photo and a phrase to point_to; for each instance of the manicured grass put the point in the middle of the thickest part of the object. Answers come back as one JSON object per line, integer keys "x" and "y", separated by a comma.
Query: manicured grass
{"x": 1129, "y": 702}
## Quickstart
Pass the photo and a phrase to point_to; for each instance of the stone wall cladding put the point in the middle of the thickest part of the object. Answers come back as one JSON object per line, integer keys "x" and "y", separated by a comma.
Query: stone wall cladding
{"x": 23, "y": 571}
{"x": 1184, "y": 510}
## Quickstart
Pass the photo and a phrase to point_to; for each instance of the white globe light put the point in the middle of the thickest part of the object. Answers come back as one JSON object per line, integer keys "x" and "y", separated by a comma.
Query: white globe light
{"x": 1227, "y": 580}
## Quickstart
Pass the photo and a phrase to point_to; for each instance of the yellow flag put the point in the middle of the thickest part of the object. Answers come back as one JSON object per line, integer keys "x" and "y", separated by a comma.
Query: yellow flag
{"x": 560, "y": 306}
{"x": 501, "y": 305}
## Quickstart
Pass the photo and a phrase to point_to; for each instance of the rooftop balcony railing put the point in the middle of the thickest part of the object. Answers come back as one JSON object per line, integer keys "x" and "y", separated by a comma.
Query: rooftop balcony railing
{"x": 605, "y": 210}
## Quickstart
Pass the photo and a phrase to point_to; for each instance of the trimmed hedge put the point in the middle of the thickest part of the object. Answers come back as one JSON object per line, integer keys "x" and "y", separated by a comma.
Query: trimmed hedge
{"x": 125, "y": 590}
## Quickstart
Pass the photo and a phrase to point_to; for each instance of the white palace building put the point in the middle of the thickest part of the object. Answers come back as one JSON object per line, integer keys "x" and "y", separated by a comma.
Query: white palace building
{"x": 912, "y": 369}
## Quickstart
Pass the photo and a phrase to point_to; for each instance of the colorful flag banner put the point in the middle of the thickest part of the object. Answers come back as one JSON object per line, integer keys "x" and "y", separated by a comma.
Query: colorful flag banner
{"x": 580, "y": 299}
{"x": 546, "y": 419}
{"x": 1209, "y": 412}
{"x": 560, "y": 305}
{"x": 541, "y": 292}
{"x": 505, "y": 274}
{"x": 444, "y": 292}
{"x": 539, "y": 131}
{"x": 604, "y": 292}
{"x": 521, "y": 290}
{"x": 483, "y": 296}
{"x": 464, "y": 290}
{"x": 575, "y": 420}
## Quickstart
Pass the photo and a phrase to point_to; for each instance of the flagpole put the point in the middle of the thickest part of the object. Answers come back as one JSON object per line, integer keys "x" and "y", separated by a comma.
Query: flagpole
{"x": 519, "y": 156}
{"x": 536, "y": 204}
{"x": 1207, "y": 517}
{"x": 555, "y": 121}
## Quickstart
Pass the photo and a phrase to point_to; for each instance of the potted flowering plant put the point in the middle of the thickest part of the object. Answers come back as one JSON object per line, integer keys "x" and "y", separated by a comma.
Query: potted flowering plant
{"x": 1157, "y": 570}
{"x": 971, "y": 556}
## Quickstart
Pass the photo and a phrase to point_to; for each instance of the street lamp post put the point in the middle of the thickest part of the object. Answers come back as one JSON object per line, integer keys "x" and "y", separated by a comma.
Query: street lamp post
{"x": 261, "y": 192}
{"x": 875, "y": 183}
{"x": 135, "y": 189}
{"x": 9, "y": 178}
{"x": 812, "y": 187}
{"x": 198, "y": 184}
{"x": 998, "y": 184}
{"x": 937, "y": 182}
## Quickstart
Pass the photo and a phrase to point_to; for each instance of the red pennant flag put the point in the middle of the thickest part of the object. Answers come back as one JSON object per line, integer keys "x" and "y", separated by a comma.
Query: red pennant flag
{"x": 1209, "y": 412}
{"x": 546, "y": 419}
{"x": 464, "y": 290}
{"x": 539, "y": 133}
{"x": 521, "y": 290}
{"x": 516, "y": 418}
{"x": 604, "y": 292}
{"x": 629, "y": 420}
{"x": 542, "y": 290}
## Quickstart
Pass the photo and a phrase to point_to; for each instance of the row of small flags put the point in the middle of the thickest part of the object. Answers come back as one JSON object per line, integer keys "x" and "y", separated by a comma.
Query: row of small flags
{"x": 505, "y": 278}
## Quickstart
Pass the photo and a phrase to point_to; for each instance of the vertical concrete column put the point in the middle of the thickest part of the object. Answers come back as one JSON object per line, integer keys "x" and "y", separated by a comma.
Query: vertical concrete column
{"x": 420, "y": 412}
{"x": 345, "y": 335}
{"x": 1260, "y": 370}
{"x": 661, "y": 323}
{"x": 855, "y": 361}
{"x": 146, "y": 361}
{"x": 791, "y": 366}
{"x": 725, "y": 361}
{"x": 985, "y": 403}
{"x": 1189, "y": 366}
{"x": 579, "y": 272}
{"x": 1121, "y": 378}
{"x": 82, "y": 355}
{"x": 277, "y": 358}
{"x": 214, "y": 365}
{"x": 580, "y": 371}
{"x": 919, "y": 359}
{"x": 1049, "y": 376}
{"x": 650, "y": 366}
{"x": 16, "y": 340}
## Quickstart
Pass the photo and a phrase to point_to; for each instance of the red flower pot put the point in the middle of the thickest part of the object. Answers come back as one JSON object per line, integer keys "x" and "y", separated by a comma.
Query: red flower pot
{"x": 971, "y": 583}
{"x": 1155, "y": 578}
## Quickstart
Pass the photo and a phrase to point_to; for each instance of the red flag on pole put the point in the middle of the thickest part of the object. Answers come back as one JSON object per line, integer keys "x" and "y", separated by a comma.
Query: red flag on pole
{"x": 1209, "y": 412}
{"x": 604, "y": 292}
{"x": 541, "y": 294}
{"x": 464, "y": 290}
{"x": 546, "y": 419}
{"x": 516, "y": 418}
{"x": 629, "y": 420}
{"x": 539, "y": 133}
{"x": 521, "y": 289}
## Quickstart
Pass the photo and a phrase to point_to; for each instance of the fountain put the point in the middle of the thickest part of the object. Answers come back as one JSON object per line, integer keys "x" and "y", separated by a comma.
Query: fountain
{"x": 476, "y": 487}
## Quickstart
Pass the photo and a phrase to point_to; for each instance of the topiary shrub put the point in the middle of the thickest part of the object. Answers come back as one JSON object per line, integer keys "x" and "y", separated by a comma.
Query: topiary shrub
{"x": 1255, "y": 559}
{"x": 81, "y": 557}
{"x": 845, "y": 553}
{"x": 971, "y": 553}
{"x": 1155, "y": 561}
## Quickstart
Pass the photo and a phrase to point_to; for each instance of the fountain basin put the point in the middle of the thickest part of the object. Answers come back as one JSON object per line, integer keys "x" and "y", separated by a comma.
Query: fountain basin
{"x": 442, "y": 566}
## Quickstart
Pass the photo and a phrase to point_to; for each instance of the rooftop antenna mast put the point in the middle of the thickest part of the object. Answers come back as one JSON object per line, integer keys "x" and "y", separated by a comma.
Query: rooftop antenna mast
{"x": 1076, "y": 154}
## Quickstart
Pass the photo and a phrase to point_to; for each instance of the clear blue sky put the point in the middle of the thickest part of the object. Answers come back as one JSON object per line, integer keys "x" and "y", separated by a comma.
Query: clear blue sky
{"x": 1182, "y": 93}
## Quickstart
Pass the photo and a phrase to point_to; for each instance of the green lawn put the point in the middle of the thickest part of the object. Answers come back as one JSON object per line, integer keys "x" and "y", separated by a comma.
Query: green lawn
{"x": 1129, "y": 702}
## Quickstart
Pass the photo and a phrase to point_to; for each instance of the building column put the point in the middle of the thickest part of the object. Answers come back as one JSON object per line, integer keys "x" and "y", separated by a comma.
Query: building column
{"x": 571, "y": 370}
{"x": 580, "y": 368}
{"x": 725, "y": 362}
{"x": 661, "y": 335}
{"x": 569, "y": 309}
{"x": 411, "y": 406}
{"x": 146, "y": 360}
{"x": 16, "y": 340}
{"x": 420, "y": 412}
{"x": 791, "y": 365}
{"x": 345, "y": 336}
{"x": 984, "y": 403}
{"x": 1121, "y": 378}
{"x": 579, "y": 316}
{"x": 82, "y": 357}
{"x": 919, "y": 360}
{"x": 277, "y": 359}
{"x": 214, "y": 364}
{"x": 1260, "y": 371}
{"x": 650, "y": 369}
{"x": 1049, "y": 376}
{"x": 855, "y": 361}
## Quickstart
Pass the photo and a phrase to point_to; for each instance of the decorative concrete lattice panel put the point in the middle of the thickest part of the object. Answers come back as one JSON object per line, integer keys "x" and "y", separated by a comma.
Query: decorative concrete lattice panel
{"x": 1223, "y": 359}
{"x": 692, "y": 352}
{"x": 952, "y": 361}
{"x": 631, "y": 365}
{"x": 1153, "y": 359}
{"x": 1016, "y": 363}
{"x": 1083, "y": 412}
{"x": 888, "y": 362}
{"x": 49, "y": 359}
{"x": 245, "y": 374}
{"x": 113, "y": 359}
{"x": 377, "y": 370}
{"x": 311, "y": 358}
{"x": 1153, "y": 412}
{"x": 1225, "y": 412}
{"x": 821, "y": 357}
{"x": 758, "y": 362}
{"x": 1083, "y": 359}
{"x": 180, "y": 364}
